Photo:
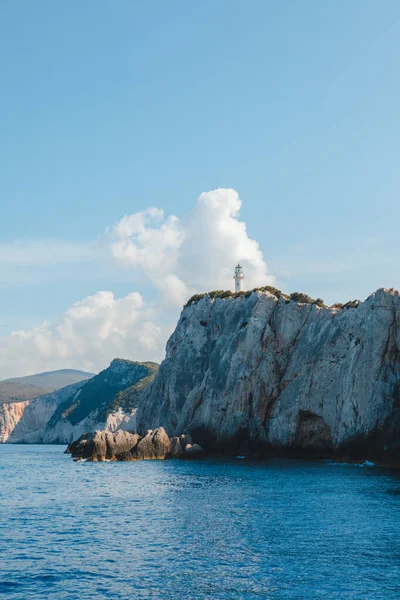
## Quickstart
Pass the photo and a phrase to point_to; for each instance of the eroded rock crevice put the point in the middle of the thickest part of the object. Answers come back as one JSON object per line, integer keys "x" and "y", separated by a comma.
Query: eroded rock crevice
{"x": 312, "y": 434}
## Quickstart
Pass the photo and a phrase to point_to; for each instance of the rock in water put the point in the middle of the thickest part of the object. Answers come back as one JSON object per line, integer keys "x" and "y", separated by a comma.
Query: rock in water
{"x": 104, "y": 445}
{"x": 176, "y": 447}
{"x": 126, "y": 445}
{"x": 194, "y": 451}
{"x": 154, "y": 445}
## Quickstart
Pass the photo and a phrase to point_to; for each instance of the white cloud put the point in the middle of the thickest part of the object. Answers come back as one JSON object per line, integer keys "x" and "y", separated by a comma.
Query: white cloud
{"x": 193, "y": 254}
{"x": 180, "y": 257}
{"x": 144, "y": 239}
{"x": 87, "y": 336}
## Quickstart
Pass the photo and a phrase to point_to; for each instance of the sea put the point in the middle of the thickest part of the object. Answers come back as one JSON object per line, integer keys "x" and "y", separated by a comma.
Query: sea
{"x": 206, "y": 529}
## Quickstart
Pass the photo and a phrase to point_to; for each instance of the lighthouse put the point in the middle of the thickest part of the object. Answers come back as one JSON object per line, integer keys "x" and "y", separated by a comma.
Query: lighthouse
{"x": 238, "y": 277}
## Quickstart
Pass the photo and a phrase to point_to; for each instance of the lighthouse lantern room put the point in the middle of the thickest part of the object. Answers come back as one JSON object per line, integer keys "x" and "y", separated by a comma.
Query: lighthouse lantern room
{"x": 238, "y": 277}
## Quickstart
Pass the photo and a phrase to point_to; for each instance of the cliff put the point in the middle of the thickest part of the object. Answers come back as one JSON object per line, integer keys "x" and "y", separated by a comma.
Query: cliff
{"x": 256, "y": 371}
{"x": 280, "y": 375}
{"x": 108, "y": 401}
{"x": 10, "y": 415}
{"x": 27, "y": 420}
{"x": 27, "y": 403}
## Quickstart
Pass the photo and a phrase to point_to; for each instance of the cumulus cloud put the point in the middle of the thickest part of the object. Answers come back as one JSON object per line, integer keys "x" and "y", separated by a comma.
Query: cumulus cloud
{"x": 144, "y": 238}
{"x": 87, "y": 336}
{"x": 193, "y": 254}
{"x": 179, "y": 256}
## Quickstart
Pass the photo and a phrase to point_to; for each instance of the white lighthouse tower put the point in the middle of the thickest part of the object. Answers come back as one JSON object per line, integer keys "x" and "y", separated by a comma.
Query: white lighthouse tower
{"x": 238, "y": 277}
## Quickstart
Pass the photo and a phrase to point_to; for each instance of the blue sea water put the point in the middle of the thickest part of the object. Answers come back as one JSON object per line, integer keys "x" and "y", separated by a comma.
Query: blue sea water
{"x": 220, "y": 529}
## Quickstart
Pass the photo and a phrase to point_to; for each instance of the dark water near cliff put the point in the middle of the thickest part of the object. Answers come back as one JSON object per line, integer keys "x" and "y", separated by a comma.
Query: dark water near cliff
{"x": 195, "y": 530}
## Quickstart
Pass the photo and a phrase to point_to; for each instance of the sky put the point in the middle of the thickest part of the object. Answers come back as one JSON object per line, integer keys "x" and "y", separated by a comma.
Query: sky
{"x": 147, "y": 146}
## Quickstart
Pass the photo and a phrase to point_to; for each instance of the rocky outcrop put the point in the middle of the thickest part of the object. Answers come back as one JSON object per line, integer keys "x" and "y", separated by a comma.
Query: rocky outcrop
{"x": 104, "y": 445}
{"x": 182, "y": 446}
{"x": 176, "y": 447}
{"x": 193, "y": 451}
{"x": 154, "y": 445}
{"x": 264, "y": 372}
{"x": 126, "y": 446}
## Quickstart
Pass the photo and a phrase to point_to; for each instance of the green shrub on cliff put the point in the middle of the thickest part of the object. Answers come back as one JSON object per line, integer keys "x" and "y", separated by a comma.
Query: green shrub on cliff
{"x": 267, "y": 288}
{"x": 302, "y": 298}
{"x": 320, "y": 302}
{"x": 214, "y": 294}
{"x": 306, "y": 299}
{"x": 295, "y": 296}
{"x": 352, "y": 304}
{"x": 128, "y": 399}
{"x": 194, "y": 299}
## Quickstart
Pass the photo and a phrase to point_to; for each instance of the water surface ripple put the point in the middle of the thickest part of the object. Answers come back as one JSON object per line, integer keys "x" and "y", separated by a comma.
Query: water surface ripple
{"x": 220, "y": 529}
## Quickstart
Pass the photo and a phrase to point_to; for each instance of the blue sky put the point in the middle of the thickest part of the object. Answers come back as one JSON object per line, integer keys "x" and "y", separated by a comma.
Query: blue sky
{"x": 108, "y": 108}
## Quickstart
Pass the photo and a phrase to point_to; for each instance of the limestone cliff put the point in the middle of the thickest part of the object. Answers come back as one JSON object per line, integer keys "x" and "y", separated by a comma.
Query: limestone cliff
{"x": 282, "y": 375}
{"x": 108, "y": 402}
{"x": 24, "y": 422}
{"x": 10, "y": 415}
{"x": 27, "y": 403}
{"x": 32, "y": 421}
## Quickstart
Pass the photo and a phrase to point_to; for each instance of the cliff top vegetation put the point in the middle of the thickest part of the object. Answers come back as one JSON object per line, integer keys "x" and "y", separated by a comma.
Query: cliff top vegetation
{"x": 298, "y": 297}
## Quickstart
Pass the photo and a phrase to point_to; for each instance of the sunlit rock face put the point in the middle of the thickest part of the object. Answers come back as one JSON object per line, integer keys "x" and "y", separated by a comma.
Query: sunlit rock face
{"x": 108, "y": 401}
{"x": 129, "y": 446}
{"x": 276, "y": 373}
{"x": 10, "y": 415}
{"x": 29, "y": 429}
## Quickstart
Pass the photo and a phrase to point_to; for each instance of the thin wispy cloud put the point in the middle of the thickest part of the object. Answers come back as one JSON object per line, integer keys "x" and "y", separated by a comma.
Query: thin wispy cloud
{"x": 44, "y": 252}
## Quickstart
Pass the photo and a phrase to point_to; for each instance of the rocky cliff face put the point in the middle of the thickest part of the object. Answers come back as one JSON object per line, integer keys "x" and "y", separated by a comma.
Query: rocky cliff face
{"x": 282, "y": 375}
{"x": 258, "y": 371}
{"x": 107, "y": 402}
{"x": 25, "y": 422}
{"x": 10, "y": 415}
{"x": 30, "y": 426}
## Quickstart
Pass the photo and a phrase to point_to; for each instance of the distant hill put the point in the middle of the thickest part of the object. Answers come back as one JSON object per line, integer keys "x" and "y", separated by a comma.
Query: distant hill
{"x": 19, "y": 389}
